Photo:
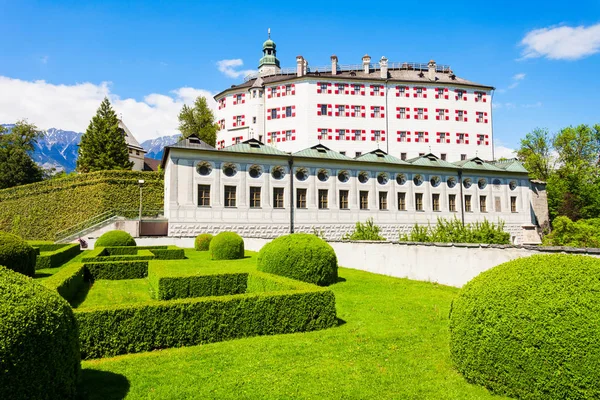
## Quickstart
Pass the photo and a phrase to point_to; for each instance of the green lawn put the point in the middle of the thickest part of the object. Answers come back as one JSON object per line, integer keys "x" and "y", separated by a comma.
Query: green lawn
{"x": 105, "y": 292}
{"x": 392, "y": 343}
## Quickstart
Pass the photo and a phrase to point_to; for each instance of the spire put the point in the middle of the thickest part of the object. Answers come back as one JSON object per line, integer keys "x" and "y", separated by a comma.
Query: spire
{"x": 269, "y": 64}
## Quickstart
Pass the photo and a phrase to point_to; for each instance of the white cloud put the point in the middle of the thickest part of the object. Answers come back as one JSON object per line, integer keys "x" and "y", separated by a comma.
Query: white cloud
{"x": 71, "y": 107}
{"x": 508, "y": 106}
{"x": 562, "y": 42}
{"x": 519, "y": 77}
{"x": 501, "y": 151}
{"x": 532, "y": 105}
{"x": 229, "y": 68}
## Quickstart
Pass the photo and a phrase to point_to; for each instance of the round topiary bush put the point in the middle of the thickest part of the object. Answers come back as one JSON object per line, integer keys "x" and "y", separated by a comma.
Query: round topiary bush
{"x": 39, "y": 345}
{"x": 115, "y": 238}
{"x": 227, "y": 246}
{"x": 202, "y": 242}
{"x": 300, "y": 256}
{"x": 16, "y": 254}
{"x": 529, "y": 328}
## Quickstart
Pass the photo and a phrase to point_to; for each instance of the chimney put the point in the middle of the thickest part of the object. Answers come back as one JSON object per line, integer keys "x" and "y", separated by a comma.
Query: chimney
{"x": 299, "y": 66}
{"x": 431, "y": 70}
{"x": 366, "y": 63}
{"x": 383, "y": 64}
{"x": 334, "y": 61}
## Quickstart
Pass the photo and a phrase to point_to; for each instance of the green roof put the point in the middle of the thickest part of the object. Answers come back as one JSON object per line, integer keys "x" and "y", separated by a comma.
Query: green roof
{"x": 269, "y": 44}
{"x": 430, "y": 160}
{"x": 255, "y": 147}
{"x": 380, "y": 156}
{"x": 512, "y": 165}
{"x": 320, "y": 151}
{"x": 476, "y": 163}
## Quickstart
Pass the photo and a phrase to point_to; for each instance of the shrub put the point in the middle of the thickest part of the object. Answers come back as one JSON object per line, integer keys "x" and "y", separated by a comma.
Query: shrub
{"x": 68, "y": 282}
{"x": 39, "y": 349}
{"x": 453, "y": 231}
{"x": 53, "y": 259}
{"x": 16, "y": 254}
{"x": 581, "y": 233}
{"x": 366, "y": 231}
{"x": 183, "y": 287}
{"x": 109, "y": 331}
{"x": 168, "y": 254}
{"x": 529, "y": 328}
{"x": 202, "y": 242}
{"x": 115, "y": 238}
{"x": 300, "y": 256}
{"x": 227, "y": 246}
{"x": 116, "y": 270}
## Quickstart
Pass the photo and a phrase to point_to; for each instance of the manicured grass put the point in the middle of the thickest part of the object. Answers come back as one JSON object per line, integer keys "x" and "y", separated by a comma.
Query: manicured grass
{"x": 392, "y": 343}
{"x": 106, "y": 292}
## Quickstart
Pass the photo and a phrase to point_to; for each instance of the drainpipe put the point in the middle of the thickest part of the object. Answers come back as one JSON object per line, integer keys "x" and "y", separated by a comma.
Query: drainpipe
{"x": 387, "y": 115}
{"x": 462, "y": 205}
{"x": 291, "y": 165}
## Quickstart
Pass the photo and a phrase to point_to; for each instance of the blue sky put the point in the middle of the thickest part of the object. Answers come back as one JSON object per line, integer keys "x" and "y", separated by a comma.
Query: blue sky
{"x": 152, "y": 56}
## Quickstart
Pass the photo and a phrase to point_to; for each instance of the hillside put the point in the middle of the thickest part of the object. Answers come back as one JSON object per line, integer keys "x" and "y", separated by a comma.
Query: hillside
{"x": 40, "y": 210}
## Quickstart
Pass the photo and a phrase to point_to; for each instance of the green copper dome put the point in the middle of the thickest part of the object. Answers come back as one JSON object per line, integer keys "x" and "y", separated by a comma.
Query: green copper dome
{"x": 269, "y": 53}
{"x": 269, "y": 44}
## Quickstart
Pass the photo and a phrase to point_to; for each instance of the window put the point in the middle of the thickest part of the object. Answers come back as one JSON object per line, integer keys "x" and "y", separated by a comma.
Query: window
{"x": 260, "y": 93}
{"x": 468, "y": 207}
{"x": 301, "y": 198}
{"x": 254, "y": 94}
{"x": 341, "y": 110}
{"x": 254, "y": 197}
{"x": 435, "y": 201}
{"x": 463, "y": 157}
{"x": 402, "y": 136}
{"x": 253, "y": 120}
{"x": 513, "y": 204}
{"x": 402, "y": 91}
{"x": 497, "y": 204}
{"x": 376, "y": 112}
{"x": 376, "y": 90}
{"x": 356, "y": 89}
{"x": 277, "y": 197}
{"x": 356, "y": 134}
{"x": 403, "y": 156}
{"x": 323, "y": 87}
{"x": 323, "y": 134}
{"x": 273, "y": 113}
{"x": 260, "y": 138}
{"x": 364, "y": 200}
{"x": 273, "y": 137}
{"x": 482, "y": 204}
{"x": 461, "y": 115}
{"x": 343, "y": 199}
{"x": 461, "y": 137}
{"x": 420, "y": 113}
{"x": 357, "y": 111}
{"x": 238, "y": 120}
{"x": 480, "y": 118}
{"x": 480, "y": 139}
{"x": 358, "y": 154}
{"x": 236, "y": 140}
{"x": 420, "y": 137}
{"x": 130, "y": 151}
{"x": 323, "y": 204}
{"x": 288, "y": 90}
{"x": 238, "y": 98}
{"x": 452, "y": 202}
{"x": 323, "y": 109}
{"x": 443, "y": 156}
{"x": 419, "y": 201}
{"x": 459, "y": 94}
{"x": 401, "y": 201}
{"x": 440, "y": 92}
{"x": 341, "y": 87}
{"x": 377, "y": 135}
{"x": 402, "y": 113}
{"x": 343, "y": 153}
{"x": 383, "y": 201}
{"x": 419, "y": 92}
{"x": 203, "y": 195}
{"x": 288, "y": 135}
{"x": 230, "y": 196}
{"x": 442, "y": 136}
{"x": 441, "y": 114}
{"x": 342, "y": 134}
{"x": 137, "y": 152}
{"x": 479, "y": 96}
{"x": 288, "y": 111}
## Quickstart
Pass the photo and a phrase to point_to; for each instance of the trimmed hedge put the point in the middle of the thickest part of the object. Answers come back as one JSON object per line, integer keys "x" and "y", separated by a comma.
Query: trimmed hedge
{"x": 183, "y": 287}
{"x": 45, "y": 245}
{"x": 40, "y": 210}
{"x": 68, "y": 282}
{"x": 53, "y": 259}
{"x": 168, "y": 254}
{"x": 202, "y": 241}
{"x": 529, "y": 328}
{"x": 16, "y": 254}
{"x": 300, "y": 256}
{"x": 117, "y": 270}
{"x": 227, "y": 246}
{"x": 109, "y": 331}
{"x": 39, "y": 348}
{"x": 115, "y": 238}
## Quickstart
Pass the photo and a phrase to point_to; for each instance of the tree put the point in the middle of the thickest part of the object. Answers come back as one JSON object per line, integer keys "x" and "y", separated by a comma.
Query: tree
{"x": 16, "y": 165}
{"x": 198, "y": 120}
{"x": 536, "y": 154}
{"x": 103, "y": 145}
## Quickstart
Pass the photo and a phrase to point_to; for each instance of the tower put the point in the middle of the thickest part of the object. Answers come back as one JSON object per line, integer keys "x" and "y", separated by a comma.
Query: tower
{"x": 269, "y": 64}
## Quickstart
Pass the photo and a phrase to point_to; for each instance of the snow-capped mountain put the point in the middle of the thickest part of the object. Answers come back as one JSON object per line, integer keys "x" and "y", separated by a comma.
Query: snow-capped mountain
{"x": 155, "y": 147}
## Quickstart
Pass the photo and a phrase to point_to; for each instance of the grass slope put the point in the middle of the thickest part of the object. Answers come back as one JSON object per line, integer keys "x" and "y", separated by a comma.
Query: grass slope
{"x": 391, "y": 344}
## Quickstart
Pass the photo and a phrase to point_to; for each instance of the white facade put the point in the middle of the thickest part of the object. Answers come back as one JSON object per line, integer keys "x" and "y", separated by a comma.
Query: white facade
{"x": 404, "y": 109}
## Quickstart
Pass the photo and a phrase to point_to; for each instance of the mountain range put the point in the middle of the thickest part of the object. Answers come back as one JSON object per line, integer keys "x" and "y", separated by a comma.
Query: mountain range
{"x": 58, "y": 148}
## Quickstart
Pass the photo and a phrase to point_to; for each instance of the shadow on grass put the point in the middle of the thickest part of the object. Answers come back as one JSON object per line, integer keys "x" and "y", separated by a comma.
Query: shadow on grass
{"x": 340, "y": 279}
{"x": 103, "y": 385}
{"x": 81, "y": 295}
{"x": 41, "y": 275}
{"x": 340, "y": 322}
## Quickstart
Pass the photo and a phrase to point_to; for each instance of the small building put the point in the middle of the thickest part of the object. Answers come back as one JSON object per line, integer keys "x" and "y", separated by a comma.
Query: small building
{"x": 136, "y": 151}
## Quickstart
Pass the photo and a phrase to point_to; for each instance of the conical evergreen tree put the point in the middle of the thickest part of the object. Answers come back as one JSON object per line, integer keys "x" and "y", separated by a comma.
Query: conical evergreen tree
{"x": 103, "y": 145}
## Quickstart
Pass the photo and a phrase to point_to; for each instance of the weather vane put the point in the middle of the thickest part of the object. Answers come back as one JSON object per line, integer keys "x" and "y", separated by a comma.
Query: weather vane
{"x": 269, "y": 32}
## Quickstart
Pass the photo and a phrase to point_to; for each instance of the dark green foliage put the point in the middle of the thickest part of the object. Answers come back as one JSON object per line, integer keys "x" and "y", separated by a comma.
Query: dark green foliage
{"x": 68, "y": 282}
{"x": 168, "y": 254}
{"x": 40, "y": 210}
{"x": 16, "y": 254}
{"x": 116, "y": 270}
{"x": 103, "y": 145}
{"x": 529, "y": 328}
{"x": 16, "y": 165}
{"x": 43, "y": 246}
{"x": 39, "y": 348}
{"x": 202, "y": 242}
{"x": 582, "y": 233}
{"x": 300, "y": 256}
{"x": 198, "y": 120}
{"x": 227, "y": 246}
{"x": 115, "y": 238}
{"x": 134, "y": 328}
{"x": 182, "y": 287}
{"x": 53, "y": 259}
{"x": 453, "y": 231}
{"x": 366, "y": 231}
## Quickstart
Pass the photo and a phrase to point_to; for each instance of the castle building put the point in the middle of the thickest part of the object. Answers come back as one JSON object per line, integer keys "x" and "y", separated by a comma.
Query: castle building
{"x": 319, "y": 150}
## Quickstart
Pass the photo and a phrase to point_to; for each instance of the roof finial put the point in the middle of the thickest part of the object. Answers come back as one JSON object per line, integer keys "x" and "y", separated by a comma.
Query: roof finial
{"x": 269, "y": 32}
